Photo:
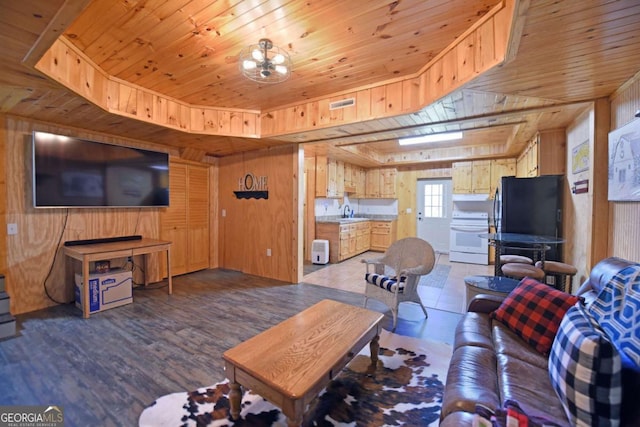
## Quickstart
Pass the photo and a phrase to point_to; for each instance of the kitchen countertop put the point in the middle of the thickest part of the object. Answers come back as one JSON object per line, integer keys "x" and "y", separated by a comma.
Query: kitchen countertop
{"x": 337, "y": 219}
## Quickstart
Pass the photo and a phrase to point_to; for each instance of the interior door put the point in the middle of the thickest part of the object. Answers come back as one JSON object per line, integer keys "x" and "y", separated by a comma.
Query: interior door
{"x": 434, "y": 206}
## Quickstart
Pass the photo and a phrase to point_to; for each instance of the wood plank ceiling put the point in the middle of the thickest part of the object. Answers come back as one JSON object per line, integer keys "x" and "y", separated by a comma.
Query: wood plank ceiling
{"x": 570, "y": 52}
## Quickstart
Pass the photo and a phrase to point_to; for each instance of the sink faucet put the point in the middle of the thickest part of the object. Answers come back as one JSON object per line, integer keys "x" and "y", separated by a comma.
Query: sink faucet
{"x": 346, "y": 211}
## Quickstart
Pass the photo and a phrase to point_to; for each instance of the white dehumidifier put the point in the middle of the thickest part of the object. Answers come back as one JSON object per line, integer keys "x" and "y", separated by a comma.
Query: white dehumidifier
{"x": 320, "y": 252}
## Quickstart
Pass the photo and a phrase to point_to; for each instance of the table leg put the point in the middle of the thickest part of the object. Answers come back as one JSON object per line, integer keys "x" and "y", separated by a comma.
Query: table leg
{"x": 145, "y": 266}
{"x": 497, "y": 268}
{"x": 169, "y": 271}
{"x": 235, "y": 396}
{"x": 85, "y": 288}
{"x": 374, "y": 346}
{"x": 294, "y": 423}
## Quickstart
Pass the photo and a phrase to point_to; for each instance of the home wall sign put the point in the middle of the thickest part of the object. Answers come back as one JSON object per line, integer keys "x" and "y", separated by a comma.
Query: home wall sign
{"x": 252, "y": 187}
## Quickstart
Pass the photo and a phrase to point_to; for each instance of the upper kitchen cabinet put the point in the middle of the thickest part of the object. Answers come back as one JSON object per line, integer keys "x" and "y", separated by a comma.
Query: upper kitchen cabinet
{"x": 500, "y": 168}
{"x": 381, "y": 183}
{"x": 544, "y": 155}
{"x": 473, "y": 177}
{"x": 329, "y": 177}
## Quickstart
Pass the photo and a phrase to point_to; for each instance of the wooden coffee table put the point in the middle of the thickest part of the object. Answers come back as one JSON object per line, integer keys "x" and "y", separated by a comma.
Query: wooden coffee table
{"x": 290, "y": 363}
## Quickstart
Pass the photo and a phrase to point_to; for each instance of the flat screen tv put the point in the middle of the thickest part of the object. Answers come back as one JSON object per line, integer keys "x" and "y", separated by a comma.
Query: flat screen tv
{"x": 73, "y": 172}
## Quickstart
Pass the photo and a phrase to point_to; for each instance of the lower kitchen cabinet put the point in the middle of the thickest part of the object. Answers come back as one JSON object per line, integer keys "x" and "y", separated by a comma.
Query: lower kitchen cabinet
{"x": 342, "y": 239}
{"x": 383, "y": 234}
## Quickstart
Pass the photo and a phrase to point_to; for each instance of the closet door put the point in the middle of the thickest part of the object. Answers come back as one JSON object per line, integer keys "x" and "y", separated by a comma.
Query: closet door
{"x": 186, "y": 221}
{"x": 174, "y": 218}
{"x": 198, "y": 217}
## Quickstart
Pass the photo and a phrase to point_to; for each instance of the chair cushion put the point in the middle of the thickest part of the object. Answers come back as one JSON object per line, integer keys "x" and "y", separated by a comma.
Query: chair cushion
{"x": 505, "y": 259}
{"x": 533, "y": 311}
{"x": 585, "y": 371}
{"x": 520, "y": 270}
{"x": 385, "y": 282}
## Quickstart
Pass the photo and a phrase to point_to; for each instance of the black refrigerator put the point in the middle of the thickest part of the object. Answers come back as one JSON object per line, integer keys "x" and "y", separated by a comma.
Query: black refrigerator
{"x": 530, "y": 206}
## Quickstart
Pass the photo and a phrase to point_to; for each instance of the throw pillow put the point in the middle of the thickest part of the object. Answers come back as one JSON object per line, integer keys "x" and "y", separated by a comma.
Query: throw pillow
{"x": 617, "y": 311}
{"x": 585, "y": 371}
{"x": 533, "y": 311}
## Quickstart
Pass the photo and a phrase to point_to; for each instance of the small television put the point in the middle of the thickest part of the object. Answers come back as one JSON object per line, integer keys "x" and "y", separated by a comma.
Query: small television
{"x": 73, "y": 172}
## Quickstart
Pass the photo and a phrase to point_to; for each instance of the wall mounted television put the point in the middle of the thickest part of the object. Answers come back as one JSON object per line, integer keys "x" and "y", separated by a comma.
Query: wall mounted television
{"x": 77, "y": 173}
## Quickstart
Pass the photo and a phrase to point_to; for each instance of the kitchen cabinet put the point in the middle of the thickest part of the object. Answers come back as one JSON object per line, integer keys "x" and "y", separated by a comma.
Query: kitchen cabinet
{"x": 363, "y": 236}
{"x": 344, "y": 241}
{"x": 383, "y": 234}
{"x": 381, "y": 183}
{"x": 186, "y": 221}
{"x": 350, "y": 178}
{"x": 360, "y": 177}
{"x": 471, "y": 177}
{"x": 544, "y": 155}
{"x": 329, "y": 177}
{"x": 500, "y": 168}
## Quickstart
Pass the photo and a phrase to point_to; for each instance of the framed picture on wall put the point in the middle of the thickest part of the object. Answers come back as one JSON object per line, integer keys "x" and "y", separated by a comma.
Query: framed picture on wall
{"x": 624, "y": 162}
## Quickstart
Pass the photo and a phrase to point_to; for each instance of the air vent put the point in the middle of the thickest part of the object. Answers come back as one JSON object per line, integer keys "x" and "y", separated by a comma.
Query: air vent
{"x": 349, "y": 102}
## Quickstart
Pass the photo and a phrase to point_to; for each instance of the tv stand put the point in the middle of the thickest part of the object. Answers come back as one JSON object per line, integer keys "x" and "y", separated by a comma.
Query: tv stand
{"x": 116, "y": 249}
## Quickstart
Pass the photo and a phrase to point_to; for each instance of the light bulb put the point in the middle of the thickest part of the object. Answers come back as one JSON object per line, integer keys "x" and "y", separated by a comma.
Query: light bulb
{"x": 281, "y": 69}
{"x": 278, "y": 58}
{"x": 248, "y": 65}
{"x": 257, "y": 55}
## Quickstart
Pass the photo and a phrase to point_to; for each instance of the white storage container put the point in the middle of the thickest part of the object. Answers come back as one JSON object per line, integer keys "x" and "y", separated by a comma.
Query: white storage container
{"x": 320, "y": 252}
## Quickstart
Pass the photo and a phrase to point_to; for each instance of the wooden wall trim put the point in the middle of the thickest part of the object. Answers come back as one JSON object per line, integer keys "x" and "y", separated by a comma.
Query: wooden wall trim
{"x": 67, "y": 65}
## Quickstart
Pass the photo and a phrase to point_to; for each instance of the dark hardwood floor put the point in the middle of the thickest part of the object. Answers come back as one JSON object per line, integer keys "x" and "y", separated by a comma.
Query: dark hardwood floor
{"x": 105, "y": 370}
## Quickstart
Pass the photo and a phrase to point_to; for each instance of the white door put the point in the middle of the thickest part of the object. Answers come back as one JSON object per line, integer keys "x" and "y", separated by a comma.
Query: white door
{"x": 434, "y": 206}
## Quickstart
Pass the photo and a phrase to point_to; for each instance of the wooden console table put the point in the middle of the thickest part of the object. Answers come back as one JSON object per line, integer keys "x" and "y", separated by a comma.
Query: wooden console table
{"x": 104, "y": 251}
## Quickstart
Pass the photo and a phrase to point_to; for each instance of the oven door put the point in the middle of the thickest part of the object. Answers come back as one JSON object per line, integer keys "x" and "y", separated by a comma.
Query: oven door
{"x": 464, "y": 238}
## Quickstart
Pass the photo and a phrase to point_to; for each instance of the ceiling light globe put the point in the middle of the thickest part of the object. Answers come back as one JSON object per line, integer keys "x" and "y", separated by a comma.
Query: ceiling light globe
{"x": 248, "y": 65}
{"x": 278, "y": 58}
{"x": 281, "y": 69}
{"x": 257, "y": 55}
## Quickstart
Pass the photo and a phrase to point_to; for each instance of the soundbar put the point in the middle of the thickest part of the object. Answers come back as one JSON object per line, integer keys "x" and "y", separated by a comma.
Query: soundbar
{"x": 103, "y": 240}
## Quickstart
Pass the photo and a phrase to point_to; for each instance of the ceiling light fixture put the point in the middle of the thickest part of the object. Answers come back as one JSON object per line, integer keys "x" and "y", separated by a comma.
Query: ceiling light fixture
{"x": 264, "y": 62}
{"x": 434, "y": 137}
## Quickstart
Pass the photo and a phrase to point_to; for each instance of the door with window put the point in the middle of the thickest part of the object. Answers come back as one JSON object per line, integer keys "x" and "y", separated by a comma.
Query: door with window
{"x": 434, "y": 206}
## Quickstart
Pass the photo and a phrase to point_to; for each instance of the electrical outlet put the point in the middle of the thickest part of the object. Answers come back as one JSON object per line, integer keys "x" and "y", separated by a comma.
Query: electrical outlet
{"x": 12, "y": 229}
{"x": 268, "y": 252}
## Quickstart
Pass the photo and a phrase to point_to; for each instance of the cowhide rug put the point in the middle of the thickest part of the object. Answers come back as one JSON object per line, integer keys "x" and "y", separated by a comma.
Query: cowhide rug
{"x": 405, "y": 389}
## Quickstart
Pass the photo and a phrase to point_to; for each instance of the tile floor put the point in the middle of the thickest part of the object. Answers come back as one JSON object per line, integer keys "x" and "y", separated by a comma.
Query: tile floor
{"x": 349, "y": 276}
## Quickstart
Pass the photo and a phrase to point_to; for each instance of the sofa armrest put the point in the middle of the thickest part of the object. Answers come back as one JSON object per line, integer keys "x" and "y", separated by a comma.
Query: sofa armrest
{"x": 485, "y": 303}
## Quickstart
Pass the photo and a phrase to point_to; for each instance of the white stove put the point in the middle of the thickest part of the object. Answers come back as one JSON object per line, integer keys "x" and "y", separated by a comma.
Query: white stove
{"x": 465, "y": 243}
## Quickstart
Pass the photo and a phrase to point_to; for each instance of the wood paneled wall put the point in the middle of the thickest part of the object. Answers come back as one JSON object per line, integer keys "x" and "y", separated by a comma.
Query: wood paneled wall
{"x": 624, "y": 218}
{"x": 34, "y": 256}
{"x": 3, "y": 196}
{"x": 578, "y": 207}
{"x": 249, "y": 227}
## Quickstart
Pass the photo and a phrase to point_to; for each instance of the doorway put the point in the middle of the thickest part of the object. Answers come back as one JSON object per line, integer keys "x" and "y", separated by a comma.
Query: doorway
{"x": 434, "y": 206}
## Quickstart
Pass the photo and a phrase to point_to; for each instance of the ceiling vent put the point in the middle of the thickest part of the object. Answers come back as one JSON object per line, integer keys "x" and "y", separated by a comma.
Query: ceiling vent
{"x": 344, "y": 103}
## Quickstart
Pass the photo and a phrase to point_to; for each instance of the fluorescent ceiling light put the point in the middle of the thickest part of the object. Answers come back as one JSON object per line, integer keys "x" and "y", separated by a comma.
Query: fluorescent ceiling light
{"x": 436, "y": 137}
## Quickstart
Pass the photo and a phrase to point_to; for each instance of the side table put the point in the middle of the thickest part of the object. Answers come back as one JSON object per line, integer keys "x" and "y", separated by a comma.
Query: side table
{"x": 492, "y": 285}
